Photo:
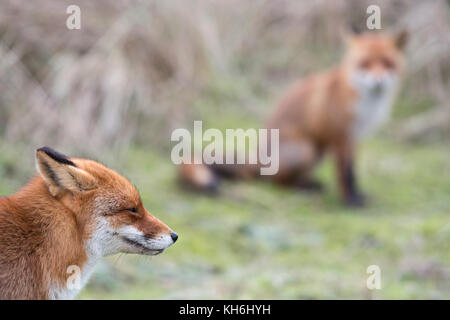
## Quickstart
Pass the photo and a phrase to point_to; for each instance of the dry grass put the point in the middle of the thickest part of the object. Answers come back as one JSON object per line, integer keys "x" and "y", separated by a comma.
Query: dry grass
{"x": 136, "y": 65}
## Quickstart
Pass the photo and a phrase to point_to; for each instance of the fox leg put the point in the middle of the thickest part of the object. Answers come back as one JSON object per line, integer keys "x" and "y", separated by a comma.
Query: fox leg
{"x": 296, "y": 161}
{"x": 348, "y": 186}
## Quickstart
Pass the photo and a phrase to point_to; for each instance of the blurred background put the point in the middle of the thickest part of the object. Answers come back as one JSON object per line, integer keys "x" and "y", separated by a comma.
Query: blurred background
{"x": 115, "y": 90}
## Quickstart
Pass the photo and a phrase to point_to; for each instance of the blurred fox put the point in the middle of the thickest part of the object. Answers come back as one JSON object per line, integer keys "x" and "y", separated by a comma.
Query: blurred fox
{"x": 327, "y": 113}
{"x": 68, "y": 217}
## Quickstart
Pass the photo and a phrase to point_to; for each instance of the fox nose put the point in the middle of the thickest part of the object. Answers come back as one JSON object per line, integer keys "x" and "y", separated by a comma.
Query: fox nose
{"x": 174, "y": 236}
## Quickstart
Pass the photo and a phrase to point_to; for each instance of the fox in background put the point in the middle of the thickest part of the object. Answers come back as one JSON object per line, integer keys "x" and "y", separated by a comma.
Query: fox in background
{"x": 326, "y": 112}
{"x": 72, "y": 214}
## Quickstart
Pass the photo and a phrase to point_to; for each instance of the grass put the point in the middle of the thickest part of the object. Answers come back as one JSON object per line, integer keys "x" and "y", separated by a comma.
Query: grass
{"x": 261, "y": 241}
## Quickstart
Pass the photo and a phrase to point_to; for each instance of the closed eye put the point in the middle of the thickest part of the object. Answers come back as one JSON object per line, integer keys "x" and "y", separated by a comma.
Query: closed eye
{"x": 133, "y": 210}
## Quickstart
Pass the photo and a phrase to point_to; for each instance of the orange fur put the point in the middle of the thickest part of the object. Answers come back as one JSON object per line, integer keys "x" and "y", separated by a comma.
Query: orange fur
{"x": 322, "y": 113}
{"x": 45, "y": 226}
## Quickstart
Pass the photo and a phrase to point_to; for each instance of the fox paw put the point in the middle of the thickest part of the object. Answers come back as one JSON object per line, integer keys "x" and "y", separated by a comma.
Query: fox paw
{"x": 311, "y": 186}
{"x": 356, "y": 201}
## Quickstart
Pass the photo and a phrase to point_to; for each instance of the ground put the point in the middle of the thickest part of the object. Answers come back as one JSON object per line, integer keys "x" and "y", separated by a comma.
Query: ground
{"x": 260, "y": 241}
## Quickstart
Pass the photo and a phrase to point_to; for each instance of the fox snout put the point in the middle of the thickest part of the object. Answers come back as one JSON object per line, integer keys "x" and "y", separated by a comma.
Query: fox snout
{"x": 373, "y": 83}
{"x": 174, "y": 236}
{"x": 148, "y": 235}
{"x": 150, "y": 243}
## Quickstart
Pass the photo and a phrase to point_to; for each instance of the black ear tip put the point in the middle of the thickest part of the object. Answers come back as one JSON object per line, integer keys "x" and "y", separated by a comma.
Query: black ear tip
{"x": 355, "y": 29}
{"x": 55, "y": 155}
{"x": 46, "y": 150}
{"x": 404, "y": 34}
{"x": 401, "y": 39}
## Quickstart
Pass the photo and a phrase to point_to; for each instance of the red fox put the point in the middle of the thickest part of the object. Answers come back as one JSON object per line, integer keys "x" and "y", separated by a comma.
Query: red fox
{"x": 326, "y": 112}
{"x": 74, "y": 212}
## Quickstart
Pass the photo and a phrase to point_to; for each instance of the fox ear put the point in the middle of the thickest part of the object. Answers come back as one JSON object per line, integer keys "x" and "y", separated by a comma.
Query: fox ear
{"x": 355, "y": 29}
{"x": 401, "y": 39}
{"x": 61, "y": 174}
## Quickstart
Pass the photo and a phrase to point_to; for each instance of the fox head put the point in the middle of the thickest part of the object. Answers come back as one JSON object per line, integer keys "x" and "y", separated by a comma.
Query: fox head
{"x": 107, "y": 207}
{"x": 375, "y": 60}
